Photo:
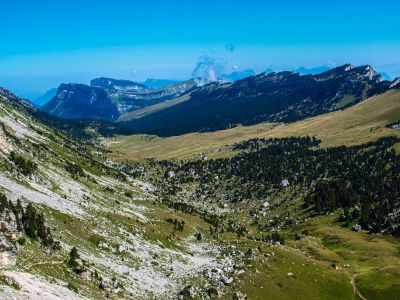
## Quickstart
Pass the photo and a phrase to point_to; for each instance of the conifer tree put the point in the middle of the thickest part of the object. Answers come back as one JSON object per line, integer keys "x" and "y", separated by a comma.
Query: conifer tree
{"x": 73, "y": 258}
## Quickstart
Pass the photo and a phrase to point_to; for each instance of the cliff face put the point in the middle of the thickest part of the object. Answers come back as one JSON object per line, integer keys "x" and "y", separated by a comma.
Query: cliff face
{"x": 79, "y": 101}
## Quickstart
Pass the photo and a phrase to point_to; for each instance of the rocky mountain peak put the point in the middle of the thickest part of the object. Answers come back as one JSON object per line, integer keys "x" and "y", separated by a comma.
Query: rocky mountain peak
{"x": 349, "y": 67}
{"x": 352, "y": 72}
{"x": 372, "y": 74}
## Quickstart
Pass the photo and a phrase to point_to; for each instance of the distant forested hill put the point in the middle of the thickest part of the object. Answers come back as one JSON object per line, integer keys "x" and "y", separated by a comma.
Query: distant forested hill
{"x": 274, "y": 97}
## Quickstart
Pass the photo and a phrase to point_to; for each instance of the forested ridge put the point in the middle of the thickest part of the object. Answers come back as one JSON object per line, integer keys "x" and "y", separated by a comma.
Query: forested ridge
{"x": 273, "y": 97}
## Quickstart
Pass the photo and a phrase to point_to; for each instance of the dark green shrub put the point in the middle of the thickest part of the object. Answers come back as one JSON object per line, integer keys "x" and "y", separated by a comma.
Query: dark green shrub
{"x": 24, "y": 165}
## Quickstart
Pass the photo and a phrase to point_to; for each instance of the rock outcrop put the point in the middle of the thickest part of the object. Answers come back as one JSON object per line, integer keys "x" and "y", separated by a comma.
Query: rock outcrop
{"x": 8, "y": 236}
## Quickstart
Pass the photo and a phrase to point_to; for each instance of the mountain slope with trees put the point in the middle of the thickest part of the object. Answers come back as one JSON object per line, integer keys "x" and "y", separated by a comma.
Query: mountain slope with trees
{"x": 274, "y": 97}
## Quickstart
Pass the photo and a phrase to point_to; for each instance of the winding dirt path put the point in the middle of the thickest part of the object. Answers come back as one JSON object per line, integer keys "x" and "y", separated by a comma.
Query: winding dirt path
{"x": 356, "y": 291}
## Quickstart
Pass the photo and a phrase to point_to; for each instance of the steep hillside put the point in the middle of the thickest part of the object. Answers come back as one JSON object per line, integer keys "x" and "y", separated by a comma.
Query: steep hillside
{"x": 277, "y": 97}
{"x": 79, "y": 101}
{"x": 126, "y": 249}
{"x": 99, "y": 229}
{"x": 363, "y": 122}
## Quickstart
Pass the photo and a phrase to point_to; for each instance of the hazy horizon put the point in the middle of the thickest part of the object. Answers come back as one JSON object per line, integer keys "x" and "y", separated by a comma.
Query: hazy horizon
{"x": 137, "y": 41}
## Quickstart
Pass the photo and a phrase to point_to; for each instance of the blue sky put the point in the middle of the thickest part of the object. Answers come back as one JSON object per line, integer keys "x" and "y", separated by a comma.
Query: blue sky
{"x": 44, "y": 43}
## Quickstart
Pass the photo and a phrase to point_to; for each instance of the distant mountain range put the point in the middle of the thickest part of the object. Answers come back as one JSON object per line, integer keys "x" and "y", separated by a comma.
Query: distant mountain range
{"x": 121, "y": 85}
{"x": 107, "y": 98}
{"x": 273, "y": 97}
{"x": 184, "y": 107}
{"x": 114, "y": 84}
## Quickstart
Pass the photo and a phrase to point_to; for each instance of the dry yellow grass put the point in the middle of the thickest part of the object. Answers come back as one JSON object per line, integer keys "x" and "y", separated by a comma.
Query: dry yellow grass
{"x": 361, "y": 123}
{"x": 137, "y": 114}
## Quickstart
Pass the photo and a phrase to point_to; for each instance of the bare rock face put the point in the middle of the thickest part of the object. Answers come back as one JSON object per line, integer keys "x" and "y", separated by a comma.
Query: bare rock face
{"x": 7, "y": 252}
{"x": 285, "y": 183}
{"x": 107, "y": 98}
{"x": 8, "y": 225}
{"x": 8, "y": 235}
{"x": 4, "y": 144}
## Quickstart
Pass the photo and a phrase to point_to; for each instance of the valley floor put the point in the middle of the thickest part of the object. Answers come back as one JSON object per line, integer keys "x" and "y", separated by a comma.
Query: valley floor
{"x": 358, "y": 124}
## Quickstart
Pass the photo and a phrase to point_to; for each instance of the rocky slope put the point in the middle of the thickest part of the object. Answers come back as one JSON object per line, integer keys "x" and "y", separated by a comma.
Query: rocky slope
{"x": 126, "y": 249}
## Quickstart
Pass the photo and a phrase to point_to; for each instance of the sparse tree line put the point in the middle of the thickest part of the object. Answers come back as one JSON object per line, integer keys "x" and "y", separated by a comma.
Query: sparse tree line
{"x": 75, "y": 170}
{"x": 33, "y": 225}
{"x": 190, "y": 209}
{"x": 257, "y": 144}
{"x": 25, "y": 165}
{"x": 363, "y": 180}
{"x": 178, "y": 225}
{"x": 274, "y": 238}
{"x": 30, "y": 222}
